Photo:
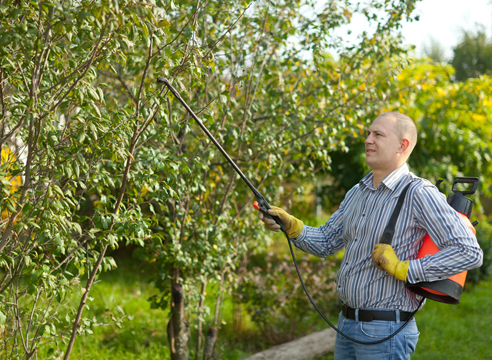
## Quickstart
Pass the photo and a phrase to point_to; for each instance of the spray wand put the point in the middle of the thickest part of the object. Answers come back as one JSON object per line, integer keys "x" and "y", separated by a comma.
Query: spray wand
{"x": 262, "y": 205}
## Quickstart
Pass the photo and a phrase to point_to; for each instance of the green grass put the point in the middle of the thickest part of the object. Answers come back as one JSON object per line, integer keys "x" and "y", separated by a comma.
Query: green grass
{"x": 447, "y": 331}
{"x": 141, "y": 336}
{"x": 457, "y": 331}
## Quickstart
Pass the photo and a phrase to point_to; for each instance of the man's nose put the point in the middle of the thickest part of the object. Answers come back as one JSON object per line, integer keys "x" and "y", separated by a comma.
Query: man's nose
{"x": 369, "y": 139}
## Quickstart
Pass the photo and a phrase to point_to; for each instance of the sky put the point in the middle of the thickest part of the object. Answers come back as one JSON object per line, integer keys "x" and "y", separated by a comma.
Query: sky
{"x": 444, "y": 20}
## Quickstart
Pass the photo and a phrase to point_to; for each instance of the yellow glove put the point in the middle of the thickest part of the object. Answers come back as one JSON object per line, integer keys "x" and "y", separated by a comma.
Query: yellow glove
{"x": 292, "y": 225}
{"x": 384, "y": 258}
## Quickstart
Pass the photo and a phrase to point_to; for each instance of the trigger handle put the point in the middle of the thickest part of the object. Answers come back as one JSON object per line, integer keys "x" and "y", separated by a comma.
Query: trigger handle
{"x": 264, "y": 210}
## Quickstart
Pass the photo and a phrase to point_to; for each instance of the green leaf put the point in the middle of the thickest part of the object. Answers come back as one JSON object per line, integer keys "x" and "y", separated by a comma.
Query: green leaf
{"x": 76, "y": 169}
{"x": 4, "y": 181}
{"x": 94, "y": 131}
{"x": 77, "y": 227}
{"x": 44, "y": 329}
{"x": 93, "y": 94}
{"x": 145, "y": 30}
{"x": 10, "y": 207}
{"x": 58, "y": 190}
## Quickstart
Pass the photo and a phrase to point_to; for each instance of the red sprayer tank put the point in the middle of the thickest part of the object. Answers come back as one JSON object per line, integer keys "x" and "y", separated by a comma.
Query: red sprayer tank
{"x": 448, "y": 290}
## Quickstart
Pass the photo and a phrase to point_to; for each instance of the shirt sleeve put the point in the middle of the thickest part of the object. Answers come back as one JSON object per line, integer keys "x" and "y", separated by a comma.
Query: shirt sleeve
{"x": 328, "y": 238}
{"x": 459, "y": 249}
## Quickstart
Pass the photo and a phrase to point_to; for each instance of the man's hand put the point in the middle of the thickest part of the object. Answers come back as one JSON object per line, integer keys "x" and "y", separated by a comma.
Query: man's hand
{"x": 384, "y": 258}
{"x": 292, "y": 225}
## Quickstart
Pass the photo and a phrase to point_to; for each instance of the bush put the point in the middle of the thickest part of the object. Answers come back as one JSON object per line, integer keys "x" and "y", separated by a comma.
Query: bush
{"x": 274, "y": 295}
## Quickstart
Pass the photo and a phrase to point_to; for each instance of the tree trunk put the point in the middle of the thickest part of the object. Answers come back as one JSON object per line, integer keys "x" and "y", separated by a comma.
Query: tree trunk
{"x": 237, "y": 314}
{"x": 177, "y": 330}
{"x": 212, "y": 335}
{"x": 200, "y": 311}
{"x": 308, "y": 347}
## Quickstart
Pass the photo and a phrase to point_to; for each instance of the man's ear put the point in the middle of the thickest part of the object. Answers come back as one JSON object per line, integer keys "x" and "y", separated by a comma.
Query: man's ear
{"x": 404, "y": 144}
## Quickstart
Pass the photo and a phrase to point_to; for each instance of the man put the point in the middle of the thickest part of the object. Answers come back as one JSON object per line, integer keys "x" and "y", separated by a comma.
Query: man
{"x": 372, "y": 276}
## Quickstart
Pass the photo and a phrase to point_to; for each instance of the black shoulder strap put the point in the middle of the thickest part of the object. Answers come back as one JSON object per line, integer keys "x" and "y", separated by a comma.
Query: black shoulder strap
{"x": 389, "y": 231}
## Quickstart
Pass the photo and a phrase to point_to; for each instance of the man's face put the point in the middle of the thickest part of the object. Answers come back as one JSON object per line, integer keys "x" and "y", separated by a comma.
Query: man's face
{"x": 382, "y": 145}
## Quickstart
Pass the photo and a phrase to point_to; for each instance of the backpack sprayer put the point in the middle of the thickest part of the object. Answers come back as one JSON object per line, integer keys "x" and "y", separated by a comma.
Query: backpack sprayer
{"x": 448, "y": 291}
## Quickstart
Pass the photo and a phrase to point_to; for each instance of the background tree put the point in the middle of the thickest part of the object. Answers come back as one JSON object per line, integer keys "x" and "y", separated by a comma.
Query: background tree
{"x": 70, "y": 147}
{"x": 434, "y": 50}
{"x": 473, "y": 55}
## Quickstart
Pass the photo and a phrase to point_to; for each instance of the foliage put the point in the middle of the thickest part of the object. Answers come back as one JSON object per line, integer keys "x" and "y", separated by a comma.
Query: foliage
{"x": 71, "y": 147}
{"x": 453, "y": 124}
{"x": 473, "y": 56}
{"x": 276, "y": 299}
{"x": 454, "y": 129}
{"x": 455, "y": 132}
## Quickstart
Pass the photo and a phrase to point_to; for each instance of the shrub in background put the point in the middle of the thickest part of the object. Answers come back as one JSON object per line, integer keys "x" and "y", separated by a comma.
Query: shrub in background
{"x": 274, "y": 296}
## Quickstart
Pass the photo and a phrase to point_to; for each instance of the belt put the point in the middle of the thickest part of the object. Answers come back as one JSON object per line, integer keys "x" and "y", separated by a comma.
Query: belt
{"x": 369, "y": 315}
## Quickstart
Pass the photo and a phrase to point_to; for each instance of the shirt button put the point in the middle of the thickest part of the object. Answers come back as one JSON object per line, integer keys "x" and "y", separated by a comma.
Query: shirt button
{"x": 363, "y": 214}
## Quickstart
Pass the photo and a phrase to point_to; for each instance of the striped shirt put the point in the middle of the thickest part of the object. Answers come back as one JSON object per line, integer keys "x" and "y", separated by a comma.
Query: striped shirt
{"x": 359, "y": 223}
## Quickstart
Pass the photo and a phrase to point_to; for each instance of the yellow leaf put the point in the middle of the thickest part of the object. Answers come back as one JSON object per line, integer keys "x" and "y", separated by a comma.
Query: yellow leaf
{"x": 130, "y": 155}
{"x": 8, "y": 157}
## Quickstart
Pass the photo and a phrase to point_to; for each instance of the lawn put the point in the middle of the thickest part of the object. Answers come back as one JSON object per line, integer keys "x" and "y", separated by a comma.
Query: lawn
{"x": 461, "y": 331}
{"x": 447, "y": 331}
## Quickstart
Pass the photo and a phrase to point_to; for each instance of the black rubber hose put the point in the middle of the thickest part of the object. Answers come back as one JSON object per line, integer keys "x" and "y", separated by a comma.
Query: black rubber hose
{"x": 328, "y": 321}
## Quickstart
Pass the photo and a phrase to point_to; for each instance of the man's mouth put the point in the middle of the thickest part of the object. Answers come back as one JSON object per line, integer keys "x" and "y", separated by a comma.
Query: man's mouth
{"x": 370, "y": 151}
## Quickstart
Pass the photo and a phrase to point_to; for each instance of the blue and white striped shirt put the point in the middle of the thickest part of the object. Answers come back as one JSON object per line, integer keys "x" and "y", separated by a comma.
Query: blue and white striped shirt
{"x": 359, "y": 223}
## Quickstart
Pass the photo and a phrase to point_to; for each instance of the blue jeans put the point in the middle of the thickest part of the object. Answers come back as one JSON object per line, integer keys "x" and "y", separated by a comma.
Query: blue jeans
{"x": 401, "y": 346}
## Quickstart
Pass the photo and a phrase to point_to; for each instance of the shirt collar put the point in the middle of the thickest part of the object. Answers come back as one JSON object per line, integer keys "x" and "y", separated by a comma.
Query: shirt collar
{"x": 389, "y": 181}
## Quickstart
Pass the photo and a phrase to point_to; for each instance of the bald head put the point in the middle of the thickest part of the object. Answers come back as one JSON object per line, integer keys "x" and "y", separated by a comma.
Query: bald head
{"x": 404, "y": 127}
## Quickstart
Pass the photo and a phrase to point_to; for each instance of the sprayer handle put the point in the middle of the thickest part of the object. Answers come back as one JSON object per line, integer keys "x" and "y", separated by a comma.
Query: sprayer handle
{"x": 263, "y": 206}
{"x": 465, "y": 180}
